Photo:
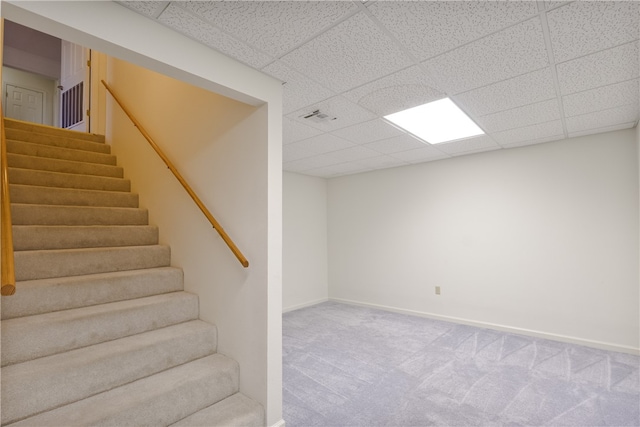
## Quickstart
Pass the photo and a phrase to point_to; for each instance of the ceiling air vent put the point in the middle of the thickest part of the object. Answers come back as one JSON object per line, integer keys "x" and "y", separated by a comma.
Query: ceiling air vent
{"x": 318, "y": 117}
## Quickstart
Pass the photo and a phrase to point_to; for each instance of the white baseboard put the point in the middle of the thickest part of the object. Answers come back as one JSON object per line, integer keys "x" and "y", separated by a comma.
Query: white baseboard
{"x": 304, "y": 305}
{"x": 538, "y": 334}
{"x": 280, "y": 423}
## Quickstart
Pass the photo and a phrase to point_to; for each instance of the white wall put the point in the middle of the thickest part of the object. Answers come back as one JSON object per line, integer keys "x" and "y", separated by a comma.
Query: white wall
{"x": 541, "y": 239}
{"x": 33, "y": 82}
{"x": 117, "y": 34}
{"x": 304, "y": 248}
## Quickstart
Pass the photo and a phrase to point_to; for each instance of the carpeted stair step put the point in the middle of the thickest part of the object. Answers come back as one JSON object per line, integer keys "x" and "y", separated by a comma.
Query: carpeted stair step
{"x": 32, "y": 337}
{"x": 67, "y": 180}
{"x": 28, "y": 214}
{"x": 57, "y": 141}
{"x": 70, "y": 196}
{"x": 48, "y": 151}
{"x": 49, "y": 130}
{"x": 237, "y": 411}
{"x": 40, "y": 237}
{"x": 31, "y": 265}
{"x": 49, "y": 382}
{"x": 157, "y": 400}
{"x": 64, "y": 166}
{"x": 64, "y": 293}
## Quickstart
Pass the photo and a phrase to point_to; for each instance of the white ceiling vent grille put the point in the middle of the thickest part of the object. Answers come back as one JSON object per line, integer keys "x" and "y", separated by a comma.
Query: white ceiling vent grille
{"x": 318, "y": 117}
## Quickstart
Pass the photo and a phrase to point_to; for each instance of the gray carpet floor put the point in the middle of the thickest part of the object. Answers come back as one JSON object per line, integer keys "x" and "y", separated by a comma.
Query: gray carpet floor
{"x": 353, "y": 366}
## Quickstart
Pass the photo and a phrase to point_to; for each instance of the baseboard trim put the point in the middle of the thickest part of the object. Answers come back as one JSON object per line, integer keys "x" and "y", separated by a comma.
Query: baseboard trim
{"x": 538, "y": 334}
{"x": 304, "y": 305}
{"x": 280, "y": 423}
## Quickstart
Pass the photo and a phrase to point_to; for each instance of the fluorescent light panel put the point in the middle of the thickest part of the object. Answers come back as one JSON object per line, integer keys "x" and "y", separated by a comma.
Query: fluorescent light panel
{"x": 436, "y": 122}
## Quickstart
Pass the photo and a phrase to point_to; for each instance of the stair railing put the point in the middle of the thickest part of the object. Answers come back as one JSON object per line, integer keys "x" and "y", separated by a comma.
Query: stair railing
{"x": 182, "y": 181}
{"x": 8, "y": 279}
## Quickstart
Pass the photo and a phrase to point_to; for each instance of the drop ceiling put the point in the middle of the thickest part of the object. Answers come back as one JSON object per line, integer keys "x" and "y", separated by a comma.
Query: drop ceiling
{"x": 526, "y": 72}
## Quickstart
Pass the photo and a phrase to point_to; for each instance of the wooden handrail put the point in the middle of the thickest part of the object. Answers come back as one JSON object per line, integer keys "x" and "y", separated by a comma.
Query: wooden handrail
{"x": 8, "y": 286}
{"x": 184, "y": 183}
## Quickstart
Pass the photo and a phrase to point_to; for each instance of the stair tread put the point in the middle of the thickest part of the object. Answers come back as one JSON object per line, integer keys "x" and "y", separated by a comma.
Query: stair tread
{"x": 42, "y": 264}
{"x": 58, "y": 165}
{"x": 150, "y": 401}
{"x": 58, "y": 141}
{"x": 44, "y": 178}
{"x": 28, "y": 387}
{"x": 237, "y": 411}
{"x": 63, "y": 153}
{"x": 42, "y": 237}
{"x": 32, "y": 337}
{"x": 37, "y": 194}
{"x": 31, "y": 214}
{"x": 63, "y": 293}
{"x": 51, "y": 130}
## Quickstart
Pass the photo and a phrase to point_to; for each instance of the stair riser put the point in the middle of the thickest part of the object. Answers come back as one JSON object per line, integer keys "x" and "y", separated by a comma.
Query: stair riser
{"x": 48, "y": 130}
{"x": 39, "y": 150}
{"x": 236, "y": 410}
{"x": 31, "y": 265}
{"x": 24, "y": 214}
{"x": 64, "y": 293}
{"x": 34, "y": 237}
{"x": 151, "y": 401}
{"x": 63, "y": 166}
{"x": 29, "y": 194}
{"x": 28, "y": 338}
{"x": 40, "y": 385}
{"x": 67, "y": 180}
{"x": 57, "y": 141}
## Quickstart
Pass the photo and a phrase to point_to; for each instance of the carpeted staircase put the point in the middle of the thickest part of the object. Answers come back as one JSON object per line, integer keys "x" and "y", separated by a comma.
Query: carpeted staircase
{"x": 100, "y": 331}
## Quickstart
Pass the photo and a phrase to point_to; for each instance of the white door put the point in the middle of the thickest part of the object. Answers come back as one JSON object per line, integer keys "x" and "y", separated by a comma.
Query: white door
{"x": 74, "y": 80}
{"x": 24, "y": 104}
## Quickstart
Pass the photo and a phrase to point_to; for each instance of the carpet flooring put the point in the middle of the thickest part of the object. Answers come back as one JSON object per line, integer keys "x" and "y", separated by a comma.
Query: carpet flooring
{"x": 353, "y": 366}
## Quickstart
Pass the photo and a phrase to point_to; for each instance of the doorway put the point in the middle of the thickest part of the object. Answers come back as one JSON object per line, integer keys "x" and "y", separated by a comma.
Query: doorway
{"x": 24, "y": 104}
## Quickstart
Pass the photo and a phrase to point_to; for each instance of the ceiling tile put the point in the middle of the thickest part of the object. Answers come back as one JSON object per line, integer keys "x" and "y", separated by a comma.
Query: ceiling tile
{"x": 275, "y": 27}
{"x": 540, "y": 112}
{"x": 321, "y": 144}
{"x": 429, "y": 28}
{"x": 599, "y": 69}
{"x": 529, "y": 133}
{"x": 298, "y": 90}
{"x": 148, "y": 8}
{"x": 293, "y": 131}
{"x": 479, "y": 150}
{"x": 405, "y": 89}
{"x": 600, "y": 119}
{"x": 293, "y": 152}
{"x": 396, "y": 144}
{"x": 302, "y": 165}
{"x": 380, "y": 162}
{"x": 373, "y": 130}
{"x": 184, "y": 22}
{"x": 483, "y": 142}
{"x": 353, "y": 153}
{"x": 517, "y": 50}
{"x": 337, "y": 170}
{"x": 350, "y": 54}
{"x": 601, "y": 130}
{"x": 552, "y": 4}
{"x": 534, "y": 141}
{"x": 516, "y": 92}
{"x": 346, "y": 113}
{"x": 419, "y": 155}
{"x": 582, "y": 28}
{"x": 601, "y": 98}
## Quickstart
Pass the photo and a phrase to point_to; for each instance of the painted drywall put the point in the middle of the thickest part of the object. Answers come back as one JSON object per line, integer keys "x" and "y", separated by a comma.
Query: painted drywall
{"x": 304, "y": 247}
{"x": 117, "y": 34}
{"x": 541, "y": 239}
{"x": 30, "y": 50}
{"x": 32, "y": 82}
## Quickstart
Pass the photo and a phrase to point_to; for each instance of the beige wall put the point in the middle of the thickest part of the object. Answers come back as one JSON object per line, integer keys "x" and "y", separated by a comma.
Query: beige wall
{"x": 219, "y": 145}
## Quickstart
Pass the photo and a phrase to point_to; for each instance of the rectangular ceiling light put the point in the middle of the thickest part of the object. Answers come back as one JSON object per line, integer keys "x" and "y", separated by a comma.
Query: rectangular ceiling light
{"x": 436, "y": 122}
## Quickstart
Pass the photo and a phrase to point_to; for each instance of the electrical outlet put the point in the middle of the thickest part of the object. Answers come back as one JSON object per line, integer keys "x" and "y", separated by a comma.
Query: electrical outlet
{"x": 437, "y": 290}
